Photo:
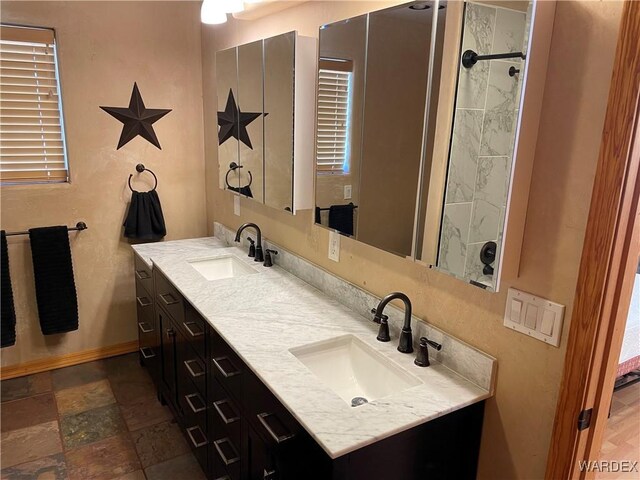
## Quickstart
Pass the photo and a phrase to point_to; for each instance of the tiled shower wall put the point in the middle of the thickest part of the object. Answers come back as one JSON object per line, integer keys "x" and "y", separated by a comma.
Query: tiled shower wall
{"x": 487, "y": 104}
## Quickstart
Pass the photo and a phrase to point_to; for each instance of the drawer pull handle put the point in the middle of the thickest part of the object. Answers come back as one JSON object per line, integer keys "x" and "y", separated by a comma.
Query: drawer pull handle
{"x": 145, "y": 327}
{"x": 217, "y": 362}
{"x": 192, "y": 406}
{"x": 268, "y": 474}
{"x": 197, "y": 444}
{"x": 142, "y": 274}
{"x": 147, "y": 353}
{"x": 227, "y": 420}
{"x": 262, "y": 417}
{"x": 187, "y": 363}
{"x": 191, "y": 332}
{"x": 227, "y": 461}
{"x": 173, "y": 300}
{"x": 142, "y": 302}
{"x": 171, "y": 332}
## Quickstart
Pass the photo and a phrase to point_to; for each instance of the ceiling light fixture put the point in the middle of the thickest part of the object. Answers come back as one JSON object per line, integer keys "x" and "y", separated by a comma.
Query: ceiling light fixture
{"x": 211, "y": 13}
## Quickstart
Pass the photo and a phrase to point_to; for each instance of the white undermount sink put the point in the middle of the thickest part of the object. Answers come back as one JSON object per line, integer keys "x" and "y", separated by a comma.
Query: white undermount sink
{"x": 218, "y": 268}
{"x": 354, "y": 370}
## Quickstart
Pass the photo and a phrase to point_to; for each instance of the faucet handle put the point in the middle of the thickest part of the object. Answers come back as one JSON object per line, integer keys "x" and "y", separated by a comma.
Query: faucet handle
{"x": 267, "y": 257}
{"x": 252, "y": 247}
{"x": 425, "y": 341}
{"x": 383, "y": 331}
{"x": 382, "y": 316}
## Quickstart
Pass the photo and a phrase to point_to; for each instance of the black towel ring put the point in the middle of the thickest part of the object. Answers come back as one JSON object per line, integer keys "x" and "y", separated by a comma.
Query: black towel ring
{"x": 141, "y": 168}
{"x": 233, "y": 166}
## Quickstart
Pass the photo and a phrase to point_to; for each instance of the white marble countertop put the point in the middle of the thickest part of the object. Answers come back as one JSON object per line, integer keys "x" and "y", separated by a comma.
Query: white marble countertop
{"x": 264, "y": 315}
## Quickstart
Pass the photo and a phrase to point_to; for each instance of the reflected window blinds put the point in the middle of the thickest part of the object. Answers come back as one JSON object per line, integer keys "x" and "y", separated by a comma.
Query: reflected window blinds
{"x": 334, "y": 111}
{"x": 32, "y": 148}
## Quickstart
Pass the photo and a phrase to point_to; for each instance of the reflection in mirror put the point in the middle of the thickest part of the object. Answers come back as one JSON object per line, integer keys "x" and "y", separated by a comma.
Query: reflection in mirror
{"x": 341, "y": 79}
{"x": 373, "y": 77}
{"x": 487, "y": 106}
{"x": 279, "y": 74}
{"x": 250, "y": 120}
{"x": 227, "y": 86}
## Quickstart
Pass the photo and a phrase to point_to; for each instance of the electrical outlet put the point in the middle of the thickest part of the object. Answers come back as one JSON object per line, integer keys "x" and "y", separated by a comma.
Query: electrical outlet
{"x": 347, "y": 192}
{"x": 236, "y": 205}
{"x": 334, "y": 246}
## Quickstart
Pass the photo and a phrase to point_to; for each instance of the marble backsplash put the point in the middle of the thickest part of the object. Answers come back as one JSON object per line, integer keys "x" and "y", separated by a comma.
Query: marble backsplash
{"x": 477, "y": 367}
{"x": 480, "y": 159}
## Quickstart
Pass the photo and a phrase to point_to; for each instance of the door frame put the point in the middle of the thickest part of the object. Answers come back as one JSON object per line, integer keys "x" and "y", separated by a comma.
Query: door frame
{"x": 607, "y": 267}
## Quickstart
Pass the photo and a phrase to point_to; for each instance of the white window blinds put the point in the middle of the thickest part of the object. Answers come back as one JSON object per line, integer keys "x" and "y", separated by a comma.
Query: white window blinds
{"x": 332, "y": 145}
{"x": 32, "y": 148}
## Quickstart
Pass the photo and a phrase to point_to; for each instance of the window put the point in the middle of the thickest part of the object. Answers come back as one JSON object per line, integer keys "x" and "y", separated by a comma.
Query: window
{"x": 32, "y": 147}
{"x": 334, "y": 112}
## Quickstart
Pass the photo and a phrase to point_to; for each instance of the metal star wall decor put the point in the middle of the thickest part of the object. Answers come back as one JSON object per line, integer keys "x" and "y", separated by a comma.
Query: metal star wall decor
{"x": 137, "y": 119}
{"x": 234, "y": 123}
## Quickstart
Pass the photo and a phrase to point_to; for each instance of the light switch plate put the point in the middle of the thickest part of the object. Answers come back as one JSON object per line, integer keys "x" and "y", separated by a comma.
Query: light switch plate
{"x": 347, "y": 192}
{"x": 236, "y": 205}
{"x": 334, "y": 246}
{"x": 538, "y": 317}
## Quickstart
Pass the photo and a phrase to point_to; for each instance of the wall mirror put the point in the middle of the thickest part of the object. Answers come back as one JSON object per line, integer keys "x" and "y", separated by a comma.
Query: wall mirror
{"x": 418, "y": 110}
{"x": 262, "y": 124}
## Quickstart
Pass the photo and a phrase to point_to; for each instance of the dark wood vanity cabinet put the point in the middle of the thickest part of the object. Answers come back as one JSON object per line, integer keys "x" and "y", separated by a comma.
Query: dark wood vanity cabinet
{"x": 238, "y": 430}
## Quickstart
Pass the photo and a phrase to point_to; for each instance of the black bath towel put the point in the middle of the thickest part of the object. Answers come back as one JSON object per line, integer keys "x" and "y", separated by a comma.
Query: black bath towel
{"x": 341, "y": 218}
{"x": 7, "y": 310}
{"x": 144, "y": 219}
{"x": 53, "y": 273}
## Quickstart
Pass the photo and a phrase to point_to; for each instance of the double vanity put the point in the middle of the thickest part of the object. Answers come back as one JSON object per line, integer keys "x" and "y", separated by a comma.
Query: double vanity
{"x": 272, "y": 375}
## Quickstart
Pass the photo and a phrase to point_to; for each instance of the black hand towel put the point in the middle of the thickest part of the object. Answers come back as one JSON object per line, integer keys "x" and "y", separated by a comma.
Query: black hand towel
{"x": 55, "y": 286}
{"x": 7, "y": 310}
{"x": 144, "y": 219}
{"x": 341, "y": 218}
{"x": 246, "y": 190}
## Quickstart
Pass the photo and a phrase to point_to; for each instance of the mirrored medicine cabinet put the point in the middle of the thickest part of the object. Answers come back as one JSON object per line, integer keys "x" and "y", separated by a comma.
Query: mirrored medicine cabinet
{"x": 418, "y": 114}
{"x": 266, "y": 99}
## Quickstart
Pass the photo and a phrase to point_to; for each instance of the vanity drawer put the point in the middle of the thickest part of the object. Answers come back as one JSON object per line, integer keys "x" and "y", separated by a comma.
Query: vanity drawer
{"x": 224, "y": 414}
{"x": 225, "y": 456}
{"x": 144, "y": 302}
{"x": 168, "y": 297}
{"x": 194, "y": 329}
{"x": 269, "y": 417}
{"x": 227, "y": 367}
{"x": 199, "y": 443}
{"x": 193, "y": 368}
{"x": 143, "y": 273}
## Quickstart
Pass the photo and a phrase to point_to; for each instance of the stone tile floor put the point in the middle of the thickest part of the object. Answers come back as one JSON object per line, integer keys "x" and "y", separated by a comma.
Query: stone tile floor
{"x": 95, "y": 421}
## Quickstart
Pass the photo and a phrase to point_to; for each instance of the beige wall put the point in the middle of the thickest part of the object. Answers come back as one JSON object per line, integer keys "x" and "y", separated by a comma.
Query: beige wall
{"x": 519, "y": 418}
{"x": 103, "y": 48}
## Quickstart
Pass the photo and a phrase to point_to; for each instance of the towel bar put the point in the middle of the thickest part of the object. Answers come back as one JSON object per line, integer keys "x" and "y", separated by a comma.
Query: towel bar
{"x": 79, "y": 227}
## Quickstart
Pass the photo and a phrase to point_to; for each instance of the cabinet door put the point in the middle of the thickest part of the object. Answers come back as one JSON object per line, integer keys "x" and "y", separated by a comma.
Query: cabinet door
{"x": 260, "y": 463}
{"x": 168, "y": 346}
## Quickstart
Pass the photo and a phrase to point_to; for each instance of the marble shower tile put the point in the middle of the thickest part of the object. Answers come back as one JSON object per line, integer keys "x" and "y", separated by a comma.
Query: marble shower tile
{"x": 498, "y": 127}
{"x": 479, "y": 25}
{"x": 84, "y": 397}
{"x": 28, "y": 411}
{"x": 104, "y": 460}
{"x": 509, "y": 31}
{"x": 78, "y": 375}
{"x": 28, "y": 386}
{"x": 91, "y": 426}
{"x": 52, "y": 467}
{"x": 463, "y": 162}
{"x": 478, "y": 35}
{"x": 473, "y": 266}
{"x": 28, "y": 444}
{"x": 485, "y": 219}
{"x": 453, "y": 241}
{"x": 159, "y": 443}
{"x": 492, "y": 180}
